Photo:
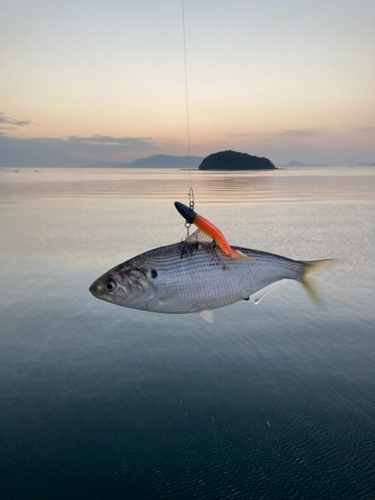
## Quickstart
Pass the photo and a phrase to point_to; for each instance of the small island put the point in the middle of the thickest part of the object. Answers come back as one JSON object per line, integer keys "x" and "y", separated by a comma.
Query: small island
{"x": 232, "y": 160}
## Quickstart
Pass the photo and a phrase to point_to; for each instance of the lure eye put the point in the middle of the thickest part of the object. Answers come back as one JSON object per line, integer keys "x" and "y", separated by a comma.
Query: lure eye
{"x": 110, "y": 285}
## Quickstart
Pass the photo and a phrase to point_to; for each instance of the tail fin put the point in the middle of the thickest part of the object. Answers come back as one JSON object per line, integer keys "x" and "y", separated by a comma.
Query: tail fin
{"x": 311, "y": 268}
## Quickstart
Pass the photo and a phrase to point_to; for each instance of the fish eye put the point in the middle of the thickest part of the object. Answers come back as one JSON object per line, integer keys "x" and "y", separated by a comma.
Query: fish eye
{"x": 110, "y": 285}
{"x": 154, "y": 274}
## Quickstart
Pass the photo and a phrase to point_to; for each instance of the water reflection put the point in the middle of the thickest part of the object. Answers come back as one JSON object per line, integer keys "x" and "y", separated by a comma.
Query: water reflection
{"x": 330, "y": 184}
{"x": 98, "y": 400}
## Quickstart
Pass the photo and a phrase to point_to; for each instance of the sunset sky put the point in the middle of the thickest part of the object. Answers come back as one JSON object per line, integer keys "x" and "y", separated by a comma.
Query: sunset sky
{"x": 87, "y": 80}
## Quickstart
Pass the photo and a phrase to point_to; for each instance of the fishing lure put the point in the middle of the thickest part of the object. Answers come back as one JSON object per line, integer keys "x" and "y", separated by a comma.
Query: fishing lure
{"x": 210, "y": 230}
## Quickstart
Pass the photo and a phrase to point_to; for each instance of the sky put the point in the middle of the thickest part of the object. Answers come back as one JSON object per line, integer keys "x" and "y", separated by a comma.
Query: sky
{"x": 88, "y": 80}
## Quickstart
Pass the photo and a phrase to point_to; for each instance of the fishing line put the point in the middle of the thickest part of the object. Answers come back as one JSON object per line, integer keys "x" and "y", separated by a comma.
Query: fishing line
{"x": 186, "y": 78}
{"x": 191, "y": 192}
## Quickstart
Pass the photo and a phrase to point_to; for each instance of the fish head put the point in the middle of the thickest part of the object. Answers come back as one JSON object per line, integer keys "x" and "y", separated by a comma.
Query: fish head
{"x": 124, "y": 285}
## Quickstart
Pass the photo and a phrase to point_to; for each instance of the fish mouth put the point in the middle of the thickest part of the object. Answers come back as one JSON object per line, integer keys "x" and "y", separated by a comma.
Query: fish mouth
{"x": 96, "y": 289}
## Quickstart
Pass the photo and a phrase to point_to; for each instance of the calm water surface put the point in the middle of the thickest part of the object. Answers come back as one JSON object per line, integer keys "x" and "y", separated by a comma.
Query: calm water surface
{"x": 273, "y": 401}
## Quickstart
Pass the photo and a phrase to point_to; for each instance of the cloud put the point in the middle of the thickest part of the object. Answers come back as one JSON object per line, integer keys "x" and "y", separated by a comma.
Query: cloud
{"x": 295, "y": 133}
{"x": 360, "y": 136}
{"x": 11, "y": 123}
{"x": 105, "y": 139}
{"x": 326, "y": 146}
{"x": 366, "y": 130}
{"x": 72, "y": 152}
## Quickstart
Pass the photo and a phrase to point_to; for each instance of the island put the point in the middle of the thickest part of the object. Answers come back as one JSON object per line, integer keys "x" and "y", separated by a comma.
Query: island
{"x": 232, "y": 160}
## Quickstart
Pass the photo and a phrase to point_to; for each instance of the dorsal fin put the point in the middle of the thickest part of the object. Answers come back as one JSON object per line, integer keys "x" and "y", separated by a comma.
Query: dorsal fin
{"x": 199, "y": 236}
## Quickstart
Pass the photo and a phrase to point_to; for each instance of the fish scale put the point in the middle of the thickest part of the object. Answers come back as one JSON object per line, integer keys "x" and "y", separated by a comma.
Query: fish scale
{"x": 196, "y": 275}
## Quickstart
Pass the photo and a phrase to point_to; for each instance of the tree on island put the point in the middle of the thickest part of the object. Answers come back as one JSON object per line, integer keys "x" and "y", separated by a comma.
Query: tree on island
{"x": 232, "y": 160}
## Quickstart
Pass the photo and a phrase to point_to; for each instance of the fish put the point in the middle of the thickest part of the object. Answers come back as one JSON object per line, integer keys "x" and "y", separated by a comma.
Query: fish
{"x": 196, "y": 275}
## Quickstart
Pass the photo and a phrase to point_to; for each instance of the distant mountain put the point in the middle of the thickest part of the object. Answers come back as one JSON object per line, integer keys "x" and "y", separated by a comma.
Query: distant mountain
{"x": 167, "y": 161}
{"x": 103, "y": 164}
{"x": 299, "y": 164}
{"x": 155, "y": 161}
{"x": 232, "y": 160}
{"x": 295, "y": 164}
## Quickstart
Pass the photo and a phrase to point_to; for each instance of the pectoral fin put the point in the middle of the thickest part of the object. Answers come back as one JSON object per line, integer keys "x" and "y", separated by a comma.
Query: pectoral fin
{"x": 207, "y": 316}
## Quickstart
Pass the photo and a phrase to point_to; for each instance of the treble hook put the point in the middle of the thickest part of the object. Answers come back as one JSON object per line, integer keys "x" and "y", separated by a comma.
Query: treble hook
{"x": 191, "y": 198}
{"x": 191, "y": 206}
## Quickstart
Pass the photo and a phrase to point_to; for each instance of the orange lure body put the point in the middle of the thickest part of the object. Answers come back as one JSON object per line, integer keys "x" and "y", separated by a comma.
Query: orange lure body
{"x": 210, "y": 230}
{"x": 213, "y": 232}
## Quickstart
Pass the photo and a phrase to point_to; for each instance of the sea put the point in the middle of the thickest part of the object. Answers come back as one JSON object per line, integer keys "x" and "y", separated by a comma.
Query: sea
{"x": 271, "y": 401}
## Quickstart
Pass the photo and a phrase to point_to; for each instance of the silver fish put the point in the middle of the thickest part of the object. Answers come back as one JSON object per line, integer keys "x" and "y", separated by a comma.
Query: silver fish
{"x": 195, "y": 275}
